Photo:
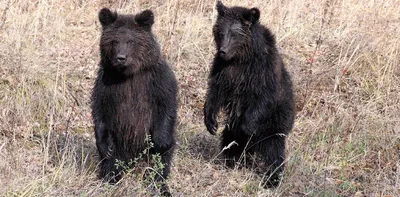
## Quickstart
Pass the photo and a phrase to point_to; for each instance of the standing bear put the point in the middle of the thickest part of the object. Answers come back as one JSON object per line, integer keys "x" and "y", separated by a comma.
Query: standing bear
{"x": 134, "y": 96}
{"x": 249, "y": 82}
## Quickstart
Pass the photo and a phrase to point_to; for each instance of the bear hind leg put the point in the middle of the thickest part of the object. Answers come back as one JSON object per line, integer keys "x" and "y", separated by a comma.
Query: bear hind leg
{"x": 233, "y": 147}
{"x": 165, "y": 149}
{"x": 109, "y": 171}
{"x": 272, "y": 152}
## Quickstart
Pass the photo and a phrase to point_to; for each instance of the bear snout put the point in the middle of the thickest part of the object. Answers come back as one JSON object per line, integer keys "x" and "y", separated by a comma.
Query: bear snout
{"x": 121, "y": 59}
{"x": 224, "y": 54}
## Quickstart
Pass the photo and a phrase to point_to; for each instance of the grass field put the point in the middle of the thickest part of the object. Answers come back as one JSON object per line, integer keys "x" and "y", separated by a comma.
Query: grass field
{"x": 343, "y": 55}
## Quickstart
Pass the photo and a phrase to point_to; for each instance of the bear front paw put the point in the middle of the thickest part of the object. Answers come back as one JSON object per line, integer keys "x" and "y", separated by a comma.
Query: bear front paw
{"x": 109, "y": 152}
{"x": 212, "y": 125}
{"x": 106, "y": 150}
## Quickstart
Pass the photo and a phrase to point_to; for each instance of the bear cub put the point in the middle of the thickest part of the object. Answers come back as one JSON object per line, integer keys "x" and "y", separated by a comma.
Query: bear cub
{"x": 134, "y": 96}
{"x": 249, "y": 82}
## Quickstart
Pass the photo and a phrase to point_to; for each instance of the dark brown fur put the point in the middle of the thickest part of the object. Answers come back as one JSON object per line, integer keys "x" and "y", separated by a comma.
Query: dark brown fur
{"x": 135, "y": 95}
{"x": 248, "y": 80}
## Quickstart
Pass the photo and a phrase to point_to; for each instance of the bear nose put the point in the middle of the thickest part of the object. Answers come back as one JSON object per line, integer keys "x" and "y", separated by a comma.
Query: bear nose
{"x": 222, "y": 52}
{"x": 121, "y": 58}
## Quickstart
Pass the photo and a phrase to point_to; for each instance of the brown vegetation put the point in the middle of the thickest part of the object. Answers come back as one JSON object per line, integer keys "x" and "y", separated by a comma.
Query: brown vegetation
{"x": 344, "y": 57}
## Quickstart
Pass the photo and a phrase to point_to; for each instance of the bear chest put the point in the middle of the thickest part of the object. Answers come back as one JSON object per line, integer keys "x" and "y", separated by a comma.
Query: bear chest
{"x": 236, "y": 81}
{"x": 127, "y": 106}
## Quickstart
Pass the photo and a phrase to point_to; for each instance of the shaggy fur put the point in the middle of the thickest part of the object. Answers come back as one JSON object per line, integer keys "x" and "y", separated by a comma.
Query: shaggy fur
{"x": 249, "y": 82}
{"x": 135, "y": 94}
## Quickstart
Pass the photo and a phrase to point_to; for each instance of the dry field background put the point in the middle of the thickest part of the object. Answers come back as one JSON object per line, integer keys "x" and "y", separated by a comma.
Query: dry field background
{"x": 344, "y": 57}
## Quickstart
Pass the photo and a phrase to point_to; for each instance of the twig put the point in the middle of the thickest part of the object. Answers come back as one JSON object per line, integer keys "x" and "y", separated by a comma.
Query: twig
{"x": 3, "y": 18}
{"x": 225, "y": 148}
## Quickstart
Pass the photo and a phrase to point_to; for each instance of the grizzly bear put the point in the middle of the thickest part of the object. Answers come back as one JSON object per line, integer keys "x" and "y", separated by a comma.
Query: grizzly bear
{"x": 134, "y": 96}
{"x": 249, "y": 82}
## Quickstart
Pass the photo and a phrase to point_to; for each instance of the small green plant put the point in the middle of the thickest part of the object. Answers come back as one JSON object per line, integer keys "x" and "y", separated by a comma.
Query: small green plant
{"x": 151, "y": 173}
{"x": 130, "y": 166}
{"x": 83, "y": 194}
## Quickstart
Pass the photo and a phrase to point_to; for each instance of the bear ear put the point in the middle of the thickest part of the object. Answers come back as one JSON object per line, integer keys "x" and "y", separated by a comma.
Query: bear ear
{"x": 106, "y": 17}
{"x": 145, "y": 19}
{"x": 221, "y": 8}
{"x": 252, "y": 16}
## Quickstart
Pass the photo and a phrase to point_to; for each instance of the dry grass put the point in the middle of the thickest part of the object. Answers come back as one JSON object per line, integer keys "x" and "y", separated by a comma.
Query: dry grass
{"x": 343, "y": 56}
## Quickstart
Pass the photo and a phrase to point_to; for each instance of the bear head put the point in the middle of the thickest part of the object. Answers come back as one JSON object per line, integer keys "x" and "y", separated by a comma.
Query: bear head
{"x": 127, "y": 44}
{"x": 233, "y": 30}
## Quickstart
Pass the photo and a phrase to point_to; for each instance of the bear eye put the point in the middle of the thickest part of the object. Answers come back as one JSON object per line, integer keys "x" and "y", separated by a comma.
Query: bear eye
{"x": 234, "y": 33}
{"x": 114, "y": 42}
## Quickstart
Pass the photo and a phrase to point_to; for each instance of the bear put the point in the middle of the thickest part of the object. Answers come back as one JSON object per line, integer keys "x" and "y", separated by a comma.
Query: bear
{"x": 134, "y": 96}
{"x": 249, "y": 83}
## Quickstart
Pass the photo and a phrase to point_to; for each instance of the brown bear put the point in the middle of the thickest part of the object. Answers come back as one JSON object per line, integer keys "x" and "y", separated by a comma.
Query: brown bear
{"x": 248, "y": 80}
{"x": 134, "y": 96}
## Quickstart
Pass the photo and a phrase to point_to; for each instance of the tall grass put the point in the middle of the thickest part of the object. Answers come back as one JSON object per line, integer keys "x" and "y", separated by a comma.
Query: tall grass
{"x": 343, "y": 57}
